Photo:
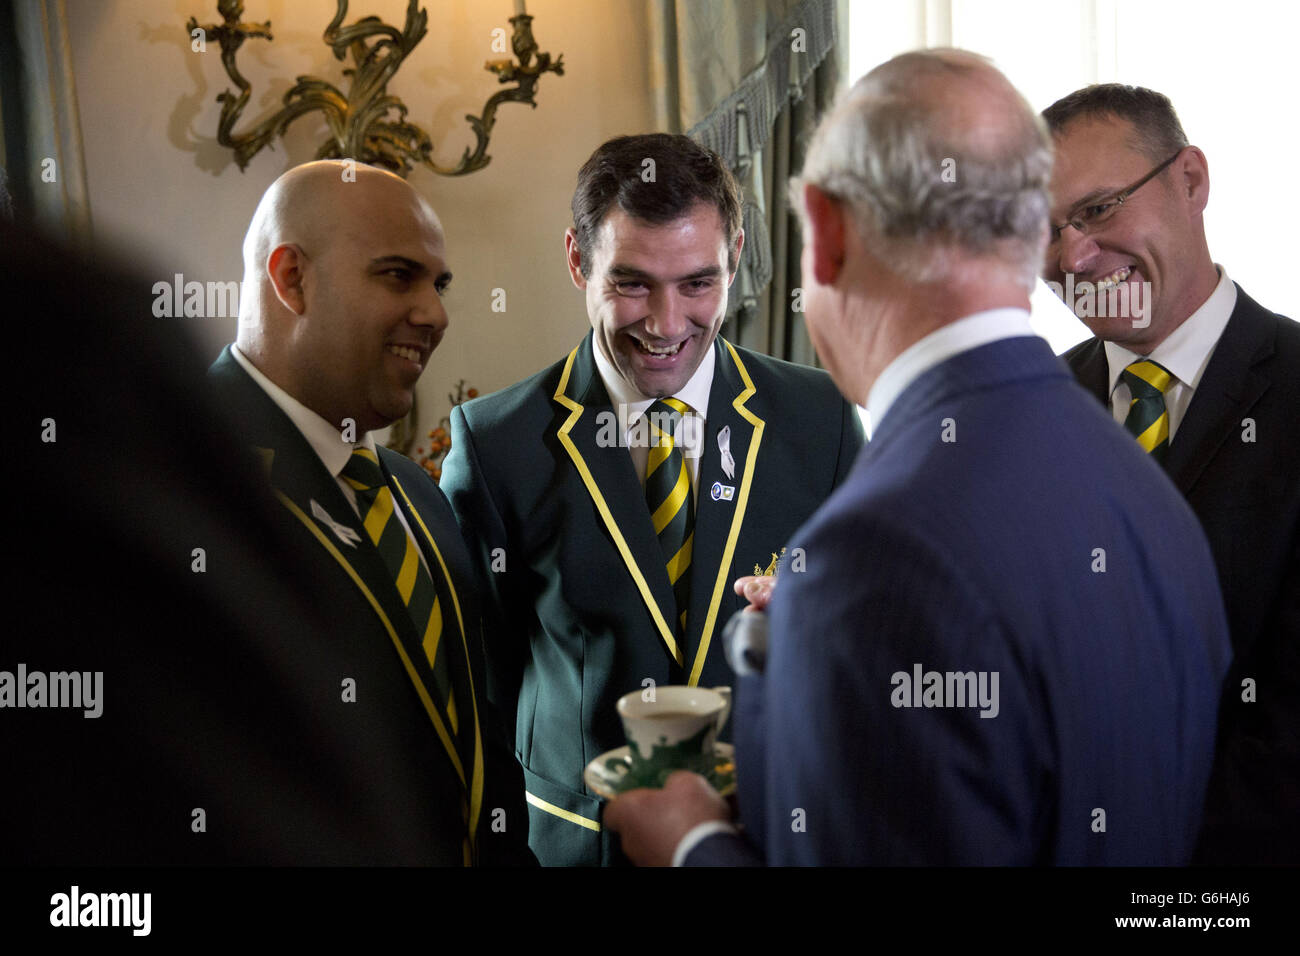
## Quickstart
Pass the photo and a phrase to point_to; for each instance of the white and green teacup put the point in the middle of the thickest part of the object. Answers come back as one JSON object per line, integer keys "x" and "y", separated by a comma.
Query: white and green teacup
{"x": 673, "y": 728}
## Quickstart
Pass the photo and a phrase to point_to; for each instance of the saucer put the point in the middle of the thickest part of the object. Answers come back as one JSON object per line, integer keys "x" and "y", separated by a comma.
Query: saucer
{"x": 605, "y": 775}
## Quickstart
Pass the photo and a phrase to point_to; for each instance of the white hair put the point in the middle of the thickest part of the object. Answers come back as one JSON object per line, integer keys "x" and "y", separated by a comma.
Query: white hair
{"x": 931, "y": 183}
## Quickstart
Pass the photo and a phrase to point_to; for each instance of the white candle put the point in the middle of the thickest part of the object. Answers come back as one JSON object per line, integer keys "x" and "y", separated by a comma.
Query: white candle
{"x": 519, "y": 8}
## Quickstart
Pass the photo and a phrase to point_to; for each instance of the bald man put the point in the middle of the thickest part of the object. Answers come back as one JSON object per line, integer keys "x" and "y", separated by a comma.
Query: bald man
{"x": 1007, "y": 641}
{"x": 344, "y": 267}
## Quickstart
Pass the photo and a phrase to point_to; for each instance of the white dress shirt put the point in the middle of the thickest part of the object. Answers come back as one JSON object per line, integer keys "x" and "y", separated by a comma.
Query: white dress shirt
{"x": 326, "y": 440}
{"x": 630, "y": 405}
{"x": 697, "y": 835}
{"x": 1185, "y": 353}
{"x": 939, "y": 346}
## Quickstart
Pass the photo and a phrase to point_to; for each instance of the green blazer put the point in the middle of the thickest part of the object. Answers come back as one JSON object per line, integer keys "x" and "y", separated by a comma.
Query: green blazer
{"x": 387, "y": 762}
{"x": 560, "y": 528}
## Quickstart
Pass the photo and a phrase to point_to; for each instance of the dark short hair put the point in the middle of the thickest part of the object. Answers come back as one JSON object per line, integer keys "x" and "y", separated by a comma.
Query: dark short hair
{"x": 1159, "y": 134}
{"x": 684, "y": 173}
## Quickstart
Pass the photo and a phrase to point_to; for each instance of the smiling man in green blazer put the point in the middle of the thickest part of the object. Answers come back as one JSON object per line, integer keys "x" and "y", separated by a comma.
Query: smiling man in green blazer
{"x": 613, "y": 498}
{"x": 345, "y": 267}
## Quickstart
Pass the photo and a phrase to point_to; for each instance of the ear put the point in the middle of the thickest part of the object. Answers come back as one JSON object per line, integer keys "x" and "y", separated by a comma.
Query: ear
{"x": 824, "y": 235}
{"x": 573, "y": 258}
{"x": 284, "y": 267}
{"x": 1193, "y": 179}
{"x": 740, "y": 246}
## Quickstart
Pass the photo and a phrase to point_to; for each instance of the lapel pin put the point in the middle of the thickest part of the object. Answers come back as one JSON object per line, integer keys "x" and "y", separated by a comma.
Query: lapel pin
{"x": 341, "y": 531}
{"x": 772, "y": 568}
{"x": 721, "y": 492}
{"x": 728, "y": 463}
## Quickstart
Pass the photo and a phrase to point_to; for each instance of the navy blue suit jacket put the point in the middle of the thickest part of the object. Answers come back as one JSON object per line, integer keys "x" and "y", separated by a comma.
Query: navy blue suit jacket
{"x": 998, "y": 523}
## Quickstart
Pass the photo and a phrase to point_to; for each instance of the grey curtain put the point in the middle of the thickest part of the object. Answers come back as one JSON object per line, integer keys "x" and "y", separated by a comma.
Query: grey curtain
{"x": 748, "y": 79}
{"x": 42, "y": 163}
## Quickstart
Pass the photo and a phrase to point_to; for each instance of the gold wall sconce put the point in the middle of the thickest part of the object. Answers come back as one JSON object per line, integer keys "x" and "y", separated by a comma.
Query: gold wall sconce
{"x": 367, "y": 123}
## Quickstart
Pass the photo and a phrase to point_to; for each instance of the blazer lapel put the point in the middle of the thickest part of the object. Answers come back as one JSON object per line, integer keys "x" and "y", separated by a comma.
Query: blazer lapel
{"x": 298, "y": 478}
{"x": 319, "y": 503}
{"x": 1228, "y": 390}
{"x": 718, "y": 520}
{"x": 461, "y": 675}
{"x": 591, "y": 439}
{"x": 1092, "y": 370}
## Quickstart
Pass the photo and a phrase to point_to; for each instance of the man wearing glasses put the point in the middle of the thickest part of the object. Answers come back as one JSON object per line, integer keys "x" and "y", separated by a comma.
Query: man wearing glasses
{"x": 1208, "y": 382}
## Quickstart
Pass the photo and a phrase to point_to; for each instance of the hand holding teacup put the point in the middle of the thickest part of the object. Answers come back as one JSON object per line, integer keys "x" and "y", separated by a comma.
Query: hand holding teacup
{"x": 672, "y": 734}
{"x": 651, "y": 823}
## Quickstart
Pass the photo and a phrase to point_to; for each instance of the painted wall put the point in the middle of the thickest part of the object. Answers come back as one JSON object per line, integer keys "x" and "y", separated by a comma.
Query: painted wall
{"x": 161, "y": 188}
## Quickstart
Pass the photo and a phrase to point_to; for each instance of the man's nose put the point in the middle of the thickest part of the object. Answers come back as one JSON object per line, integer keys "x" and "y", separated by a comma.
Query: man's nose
{"x": 667, "y": 319}
{"x": 429, "y": 311}
{"x": 1075, "y": 250}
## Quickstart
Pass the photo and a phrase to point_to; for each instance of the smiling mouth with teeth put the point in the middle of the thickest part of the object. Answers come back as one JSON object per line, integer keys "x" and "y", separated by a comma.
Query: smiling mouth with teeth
{"x": 402, "y": 351}
{"x": 663, "y": 353}
{"x": 1115, "y": 278}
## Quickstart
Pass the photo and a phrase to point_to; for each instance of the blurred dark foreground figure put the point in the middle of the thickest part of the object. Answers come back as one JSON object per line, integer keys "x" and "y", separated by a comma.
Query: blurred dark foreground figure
{"x": 153, "y": 555}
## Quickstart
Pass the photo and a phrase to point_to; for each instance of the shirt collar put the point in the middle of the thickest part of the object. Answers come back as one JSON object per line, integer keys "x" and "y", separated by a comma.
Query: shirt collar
{"x": 1186, "y": 350}
{"x": 631, "y": 404}
{"x": 323, "y": 437}
{"x": 939, "y": 346}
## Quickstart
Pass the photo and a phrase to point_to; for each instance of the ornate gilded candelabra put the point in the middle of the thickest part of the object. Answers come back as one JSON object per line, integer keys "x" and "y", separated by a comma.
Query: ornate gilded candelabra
{"x": 367, "y": 123}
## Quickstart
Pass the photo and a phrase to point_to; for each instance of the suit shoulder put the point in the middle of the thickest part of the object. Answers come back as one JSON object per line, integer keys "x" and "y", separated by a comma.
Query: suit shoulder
{"x": 399, "y": 464}
{"x": 1280, "y": 345}
{"x": 1246, "y": 303}
{"x": 226, "y": 376}
{"x": 1076, "y": 354}
{"x": 1283, "y": 366}
{"x": 1288, "y": 338}
{"x": 506, "y": 405}
{"x": 415, "y": 480}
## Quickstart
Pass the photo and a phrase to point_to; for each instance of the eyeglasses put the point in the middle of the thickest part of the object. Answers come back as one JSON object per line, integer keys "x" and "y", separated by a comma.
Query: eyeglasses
{"x": 1090, "y": 217}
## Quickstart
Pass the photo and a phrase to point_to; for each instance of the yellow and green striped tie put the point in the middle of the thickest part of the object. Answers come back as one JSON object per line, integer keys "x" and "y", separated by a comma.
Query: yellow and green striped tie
{"x": 1148, "y": 417}
{"x": 668, "y": 494}
{"x": 438, "y": 630}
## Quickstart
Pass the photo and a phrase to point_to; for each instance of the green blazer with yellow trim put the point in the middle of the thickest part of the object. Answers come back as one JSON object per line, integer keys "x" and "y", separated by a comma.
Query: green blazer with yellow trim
{"x": 384, "y": 760}
{"x": 556, "y": 516}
